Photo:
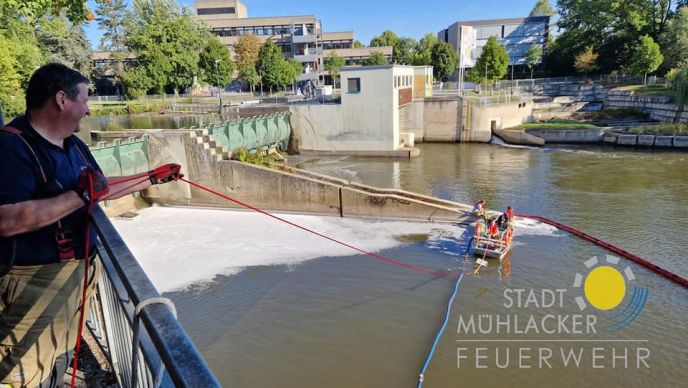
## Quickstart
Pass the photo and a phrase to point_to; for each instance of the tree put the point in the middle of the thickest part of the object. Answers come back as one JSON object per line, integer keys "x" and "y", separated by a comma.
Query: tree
{"x": 533, "y": 57}
{"x": 270, "y": 65}
{"x": 444, "y": 60}
{"x": 376, "y": 58}
{"x": 492, "y": 65}
{"x": 215, "y": 63}
{"x": 246, "y": 50}
{"x": 612, "y": 28}
{"x": 646, "y": 58}
{"x": 23, "y": 43}
{"x": 167, "y": 41}
{"x": 358, "y": 44}
{"x": 290, "y": 72}
{"x": 681, "y": 85}
{"x": 65, "y": 42}
{"x": 249, "y": 75}
{"x": 675, "y": 41}
{"x": 11, "y": 95}
{"x": 423, "y": 53}
{"x": 387, "y": 38}
{"x": 32, "y": 10}
{"x": 333, "y": 63}
{"x": 542, "y": 8}
{"x": 404, "y": 50}
{"x": 111, "y": 15}
{"x": 586, "y": 61}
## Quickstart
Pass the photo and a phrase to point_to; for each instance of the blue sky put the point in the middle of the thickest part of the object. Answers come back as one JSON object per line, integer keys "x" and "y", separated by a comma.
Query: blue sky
{"x": 367, "y": 18}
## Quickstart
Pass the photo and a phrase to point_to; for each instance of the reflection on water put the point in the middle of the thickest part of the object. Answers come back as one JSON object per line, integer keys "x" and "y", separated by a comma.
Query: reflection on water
{"x": 357, "y": 322}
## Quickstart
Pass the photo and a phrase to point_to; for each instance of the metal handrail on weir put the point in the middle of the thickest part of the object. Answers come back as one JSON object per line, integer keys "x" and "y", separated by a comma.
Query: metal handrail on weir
{"x": 126, "y": 298}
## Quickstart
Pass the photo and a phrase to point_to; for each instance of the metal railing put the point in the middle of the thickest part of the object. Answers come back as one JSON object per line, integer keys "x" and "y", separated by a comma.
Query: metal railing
{"x": 125, "y": 298}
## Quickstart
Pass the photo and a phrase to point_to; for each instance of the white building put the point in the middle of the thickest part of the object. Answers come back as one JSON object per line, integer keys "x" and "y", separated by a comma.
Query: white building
{"x": 368, "y": 120}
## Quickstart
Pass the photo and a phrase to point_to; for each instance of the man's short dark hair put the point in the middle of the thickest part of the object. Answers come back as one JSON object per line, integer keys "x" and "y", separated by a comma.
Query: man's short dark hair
{"x": 50, "y": 79}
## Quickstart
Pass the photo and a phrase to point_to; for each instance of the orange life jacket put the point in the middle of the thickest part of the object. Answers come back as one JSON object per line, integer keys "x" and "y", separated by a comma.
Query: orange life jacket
{"x": 493, "y": 230}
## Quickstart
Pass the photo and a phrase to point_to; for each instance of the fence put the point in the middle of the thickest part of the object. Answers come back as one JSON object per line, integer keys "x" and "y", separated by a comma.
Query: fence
{"x": 126, "y": 309}
{"x": 530, "y": 84}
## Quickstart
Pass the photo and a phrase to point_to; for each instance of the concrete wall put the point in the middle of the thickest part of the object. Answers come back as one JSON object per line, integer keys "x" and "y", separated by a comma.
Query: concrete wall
{"x": 658, "y": 107}
{"x": 505, "y": 116}
{"x": 286, "y": 191}
{"x": 411, "y": 119}
{"x": 443, "y": 118}
{"x": 582, "y": 135}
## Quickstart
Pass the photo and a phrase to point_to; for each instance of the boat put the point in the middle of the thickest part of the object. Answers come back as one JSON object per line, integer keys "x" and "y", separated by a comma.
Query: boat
{"x": 493, "y": 248}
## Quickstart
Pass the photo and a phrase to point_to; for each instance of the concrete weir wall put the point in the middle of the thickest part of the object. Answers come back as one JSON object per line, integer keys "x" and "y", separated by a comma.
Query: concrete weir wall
{"x": 442, "y": 119}
{"x": 498, "y": 116}
{"x": 582, "y": 135}
{"x": 286, "y": 191}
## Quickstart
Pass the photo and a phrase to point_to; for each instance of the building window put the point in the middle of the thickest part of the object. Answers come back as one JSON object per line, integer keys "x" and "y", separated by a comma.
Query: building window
{"x": 215, "y": 11}
{"x": 353, "y": 85}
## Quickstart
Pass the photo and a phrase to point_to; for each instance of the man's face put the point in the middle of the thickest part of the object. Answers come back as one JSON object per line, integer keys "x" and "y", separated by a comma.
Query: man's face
{"x": 77, "y": 109}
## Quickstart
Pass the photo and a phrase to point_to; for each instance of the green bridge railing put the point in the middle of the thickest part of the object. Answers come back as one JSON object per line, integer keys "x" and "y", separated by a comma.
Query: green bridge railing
{"x": 121, "y": 158}
{"x": 253, "y": 133}
{"x": 130, "y": 156}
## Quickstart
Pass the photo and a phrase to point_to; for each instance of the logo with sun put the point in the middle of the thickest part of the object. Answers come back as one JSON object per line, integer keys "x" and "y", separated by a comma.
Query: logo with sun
{"x": 606, "y": 287}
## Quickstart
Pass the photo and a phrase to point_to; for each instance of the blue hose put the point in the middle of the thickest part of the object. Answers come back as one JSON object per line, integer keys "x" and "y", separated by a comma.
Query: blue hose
{"x": 439, "y": 333}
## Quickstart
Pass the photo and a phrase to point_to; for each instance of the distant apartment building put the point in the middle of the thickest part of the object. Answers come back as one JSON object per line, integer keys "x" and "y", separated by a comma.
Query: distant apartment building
{"x": 299, "y": 37}
{"x": 517, "y": 35}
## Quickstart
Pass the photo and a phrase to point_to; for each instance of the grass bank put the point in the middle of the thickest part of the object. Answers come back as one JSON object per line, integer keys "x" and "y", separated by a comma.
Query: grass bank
{"x": 557, "y": 124}
{"x": 650, "y": 90}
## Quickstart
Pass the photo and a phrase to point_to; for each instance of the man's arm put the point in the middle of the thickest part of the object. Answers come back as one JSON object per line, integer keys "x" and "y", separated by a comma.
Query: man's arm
{"x": 27, "y": 216}
{"x": 122, "y": 186}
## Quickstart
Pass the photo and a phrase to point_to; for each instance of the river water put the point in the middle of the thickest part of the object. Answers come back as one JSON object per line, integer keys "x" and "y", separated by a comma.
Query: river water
{"x": 271, "y": 307}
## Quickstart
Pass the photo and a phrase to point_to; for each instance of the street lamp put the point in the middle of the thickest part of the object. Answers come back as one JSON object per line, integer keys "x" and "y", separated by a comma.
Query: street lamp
{"x": 219, "y": 89}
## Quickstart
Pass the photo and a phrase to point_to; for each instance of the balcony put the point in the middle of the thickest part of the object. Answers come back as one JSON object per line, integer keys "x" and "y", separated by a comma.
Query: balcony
{"x": 308, "y": 57}
{"x": 309, "y": 76}
{"x": 308, "y": 38}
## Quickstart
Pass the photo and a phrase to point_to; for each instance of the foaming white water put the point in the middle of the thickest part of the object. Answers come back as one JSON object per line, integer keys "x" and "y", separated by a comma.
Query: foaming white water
{"x": 179, "y": 247}
{"x": 497, "y": 141}
{"x": 528, "y": 227}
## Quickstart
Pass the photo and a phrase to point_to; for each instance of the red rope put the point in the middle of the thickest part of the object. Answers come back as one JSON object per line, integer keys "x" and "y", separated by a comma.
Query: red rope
{"x": 652, "y": 267}
{"x": 374, "y": 255}
{"x": 80, "y": 330}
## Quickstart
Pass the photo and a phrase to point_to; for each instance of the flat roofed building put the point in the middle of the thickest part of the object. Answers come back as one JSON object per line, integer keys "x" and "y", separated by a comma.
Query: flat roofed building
{"x": 208, "y": 10}
{"x": 299, "y": 37}
{"x": 516, "y": 34}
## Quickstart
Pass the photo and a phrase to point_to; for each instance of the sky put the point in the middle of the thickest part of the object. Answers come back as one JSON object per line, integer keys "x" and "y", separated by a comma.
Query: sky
{"x": 368, "y": 18}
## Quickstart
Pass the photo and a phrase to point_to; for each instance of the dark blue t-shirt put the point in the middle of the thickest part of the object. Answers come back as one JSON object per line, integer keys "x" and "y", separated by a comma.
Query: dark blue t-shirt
{"x": 20, "y": 174}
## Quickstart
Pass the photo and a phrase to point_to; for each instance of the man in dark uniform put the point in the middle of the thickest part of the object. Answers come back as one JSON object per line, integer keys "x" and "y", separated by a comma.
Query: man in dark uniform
{"x": 49, "y": 179}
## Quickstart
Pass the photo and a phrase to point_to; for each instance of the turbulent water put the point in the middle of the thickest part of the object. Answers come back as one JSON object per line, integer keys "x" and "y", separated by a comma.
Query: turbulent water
{"x": 268, "y": 306}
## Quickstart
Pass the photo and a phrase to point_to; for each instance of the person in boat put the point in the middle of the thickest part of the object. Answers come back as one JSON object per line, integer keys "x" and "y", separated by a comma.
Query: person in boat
{"x": 508, "y": 234}
{"x": 509, "y": 214}
{"x": 502, "y": 221}
{"x": 479, "y": 208}
{"x": 493, "y": 230}
{"x": 479, "y": 227}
